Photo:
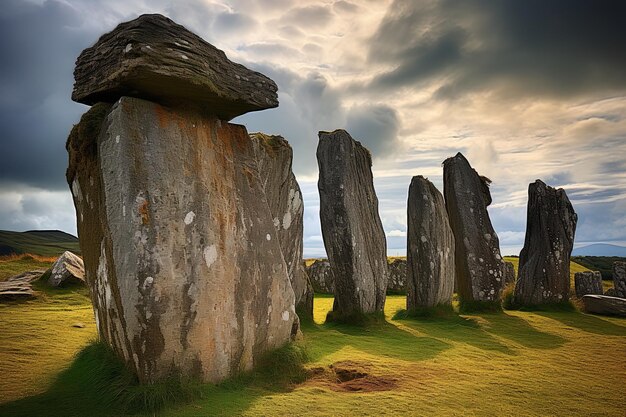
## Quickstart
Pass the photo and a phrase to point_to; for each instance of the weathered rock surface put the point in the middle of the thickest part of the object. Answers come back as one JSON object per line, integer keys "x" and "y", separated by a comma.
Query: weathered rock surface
{"x": 544, "y": 260}
{"x": 274, "y": 158}
{"x": 602, "y": 304}
{"x": 154, "y": 58}
{"x": 353, "y": 233}
{"x": 430, "y": 247}
{"x": 19, "y": 287}
{"x": 619, "y": 278}
{"x": 478, "y": 263}
{"x": 68, "y": 269}
{"x": 588, "y": 282}
{"x": 610, "y": 292}
{"x": 509, "y": 273}
{"x": 183, "y": 262}
{"x": 321, "y": 276}
{"x": 397, "y": 277}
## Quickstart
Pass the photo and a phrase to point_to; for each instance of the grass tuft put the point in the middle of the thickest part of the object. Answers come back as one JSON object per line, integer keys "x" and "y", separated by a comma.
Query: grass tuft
{"x": 508, "y": 297}
{"x": 438, "y": 311}
{"x": 356, "y": 318}
{"x": 100, "y": 376}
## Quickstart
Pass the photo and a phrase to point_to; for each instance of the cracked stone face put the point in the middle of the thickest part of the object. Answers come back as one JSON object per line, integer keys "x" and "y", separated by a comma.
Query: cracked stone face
{"x": 353, "y": 233}
{"x": 588, "y": 282}
{"x": 173, "y": 224}
{"x": 430, "y": 247}
{"x": 619, "y": 278}
{"x": 274, "y": 157}
{"x": 154, "y": 58}
{"x": 479, "y": 266}
{"x": 544, "y": 260}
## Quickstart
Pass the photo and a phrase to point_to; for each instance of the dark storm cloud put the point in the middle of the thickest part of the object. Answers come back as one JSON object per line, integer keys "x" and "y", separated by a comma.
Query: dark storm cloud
{"x": 558, "y": 47}
{"x": 376, "y": 126}
{"x": 38, "y": 45}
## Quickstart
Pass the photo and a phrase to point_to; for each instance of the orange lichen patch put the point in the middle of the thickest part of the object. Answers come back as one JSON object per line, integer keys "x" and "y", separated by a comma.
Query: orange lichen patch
{"x": 249, "y": 174}
{"x": 164, "y": 116}
{"x": 349, "y": 376}
{"x": 143, "y": 212}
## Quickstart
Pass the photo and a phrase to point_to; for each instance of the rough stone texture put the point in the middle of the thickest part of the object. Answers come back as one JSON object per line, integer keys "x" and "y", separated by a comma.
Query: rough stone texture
{"x": 274, "y": 158}
{"x": 430, "y": 247}
{"x": 19, "y": 287}
{"x": 154, "y": 58}
{"x": 68, "y": 269}
{"x": 184, "y": 266}
{"x": 322, "y": 280}
{"x": 321, "y": 276}
{"x": 588, "y": 282}
{"x": 544, "y": 260}
{"x": 619, "y": 278}
{"x": 397, "y": 277}
{"x": 509, "y": 273}
{"x": 478, "y": 263}
{"x": 602, "y": 304}
{"x": 610, "y": 292}
{"x": 353, "y": 233}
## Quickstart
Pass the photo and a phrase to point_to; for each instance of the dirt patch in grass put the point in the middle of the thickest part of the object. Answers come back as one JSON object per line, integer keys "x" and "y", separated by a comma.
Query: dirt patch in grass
{"x": 350, "y": 376}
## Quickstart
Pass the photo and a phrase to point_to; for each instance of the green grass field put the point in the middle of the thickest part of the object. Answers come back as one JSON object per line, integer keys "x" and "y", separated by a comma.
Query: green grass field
{"x": 500, "y": 364}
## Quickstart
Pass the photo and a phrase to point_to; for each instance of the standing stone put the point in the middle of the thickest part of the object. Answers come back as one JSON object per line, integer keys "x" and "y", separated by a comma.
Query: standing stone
{"x": 509, "y": 273}
{"x": 588, "y": 282}
{"x": 430, "y": 247}
{"x": 353, "y": 233}
{"x": 321, "y": 275}
{"x": 397, "y": 277}
{"x": 154, "y": 58}
{"x": 274, "y": 157}
{"x": 67, "y": 269}
{"x": 544, "y": 260}
{"x": 183, "y": 261}
{"x": 478, "y": 263}
{"x": 619, "y": 278}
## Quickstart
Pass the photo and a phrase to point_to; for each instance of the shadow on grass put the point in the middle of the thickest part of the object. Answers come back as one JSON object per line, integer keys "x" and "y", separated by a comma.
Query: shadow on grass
{"x": 520, "y": 331}
{"x": 378, "y": 338}
{"x": 458, "y": 329}
{"x": 587, "y": 322}
{"x": 98, "y": 384}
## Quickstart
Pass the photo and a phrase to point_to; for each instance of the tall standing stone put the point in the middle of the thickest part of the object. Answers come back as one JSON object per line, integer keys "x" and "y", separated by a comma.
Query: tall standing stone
{"x": 588, "y": 282}
{"x": 479, "y": 265}
{"x": 544, "y": 260}
{"x": 353, "y": 233}
{"x": 274, "y": 156}
{"x": 184, "y": 265}
{"x": 619, "y": 278}
{"x": 430, "y": 247}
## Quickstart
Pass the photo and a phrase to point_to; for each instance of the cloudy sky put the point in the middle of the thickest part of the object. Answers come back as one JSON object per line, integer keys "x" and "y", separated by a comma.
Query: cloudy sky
{"x": 525, "y": 89}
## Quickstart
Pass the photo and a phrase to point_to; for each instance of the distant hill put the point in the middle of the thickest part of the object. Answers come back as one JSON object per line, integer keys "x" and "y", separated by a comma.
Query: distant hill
{"x": 600, "y": 249}
{"x": 37, "y": 242}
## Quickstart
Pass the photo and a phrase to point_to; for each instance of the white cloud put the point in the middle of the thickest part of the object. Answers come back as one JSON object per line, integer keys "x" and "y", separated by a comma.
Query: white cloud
{"x": 322, "y": 54}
